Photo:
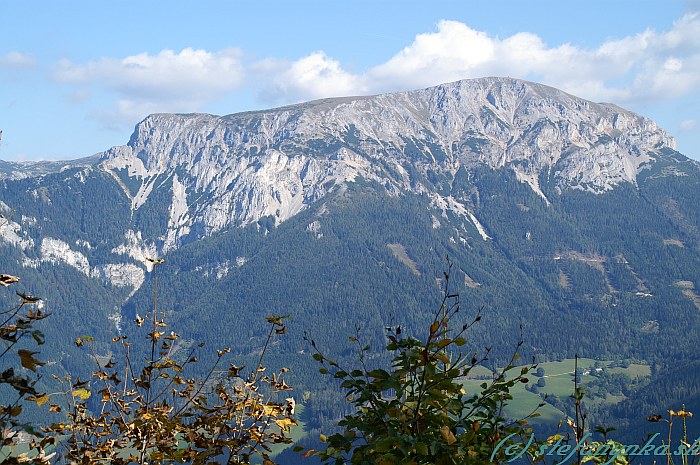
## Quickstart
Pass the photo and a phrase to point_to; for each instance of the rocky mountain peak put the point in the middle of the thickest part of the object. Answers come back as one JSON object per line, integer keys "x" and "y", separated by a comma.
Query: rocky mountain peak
{"x": 276, "y": 162}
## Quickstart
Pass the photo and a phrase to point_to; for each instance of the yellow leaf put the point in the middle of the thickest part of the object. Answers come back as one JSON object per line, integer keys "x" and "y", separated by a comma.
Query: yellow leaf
{"x": 285, "y": 423}
{"x": 447, "y": 435}
{"x": 82, "y": 393}
{"x": 434, "y": 327}
{"x": 40, "y": 399}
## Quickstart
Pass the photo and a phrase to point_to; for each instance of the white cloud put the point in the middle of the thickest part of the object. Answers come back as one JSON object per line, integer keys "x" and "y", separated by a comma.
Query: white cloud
{"x": 688, "y": 125}
{"x": 442, "y": 56}
{"x": 15, "y": 60}
{"x": 647, "y": 66}
{"x": 168, "y": 81}
{"x": 644, "y": 67}
{"x": 311, "y": 77}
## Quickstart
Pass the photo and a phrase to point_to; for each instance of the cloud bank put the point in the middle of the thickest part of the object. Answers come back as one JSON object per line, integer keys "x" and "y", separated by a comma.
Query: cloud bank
{"x": 16, "y": 60}
{"x": 645, "y": 67}
{"x": 166, "y": 82}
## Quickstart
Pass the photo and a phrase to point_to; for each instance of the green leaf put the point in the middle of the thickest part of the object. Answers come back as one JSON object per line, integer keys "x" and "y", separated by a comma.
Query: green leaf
{"x": 385, "y": 444}
{"x": 378, "y": 374}
{"x": 422, "y": 448}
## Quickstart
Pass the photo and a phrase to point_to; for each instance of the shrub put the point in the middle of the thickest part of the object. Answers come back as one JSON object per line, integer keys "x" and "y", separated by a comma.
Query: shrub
{"x": 21, "y": 442}
{"x": 417, "y": 411}
{"x": 156, "y": 413}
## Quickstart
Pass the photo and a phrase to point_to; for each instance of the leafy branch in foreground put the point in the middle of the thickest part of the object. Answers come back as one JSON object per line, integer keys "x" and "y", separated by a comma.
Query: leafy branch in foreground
{"x": 156, "y": 413}
{"x": 418, "y": 411}
{"x": 21, "y": 443}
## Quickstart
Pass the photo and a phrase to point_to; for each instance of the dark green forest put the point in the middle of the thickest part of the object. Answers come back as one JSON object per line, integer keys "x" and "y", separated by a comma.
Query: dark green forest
{"x": 599, "y": 275}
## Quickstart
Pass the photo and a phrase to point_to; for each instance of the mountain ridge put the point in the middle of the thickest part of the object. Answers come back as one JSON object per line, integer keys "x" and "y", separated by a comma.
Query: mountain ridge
{"x": 535, "y": 130}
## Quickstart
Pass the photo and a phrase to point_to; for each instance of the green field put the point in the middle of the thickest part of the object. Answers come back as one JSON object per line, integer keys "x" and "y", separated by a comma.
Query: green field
{"x": 559, "y": 378}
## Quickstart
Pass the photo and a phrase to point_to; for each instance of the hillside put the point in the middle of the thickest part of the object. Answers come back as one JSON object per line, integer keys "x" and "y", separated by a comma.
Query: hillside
{"x": 576, "y": 220}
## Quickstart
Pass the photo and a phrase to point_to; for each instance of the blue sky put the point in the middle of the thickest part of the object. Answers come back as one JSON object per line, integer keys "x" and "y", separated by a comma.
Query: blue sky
{"x": 76, "y": 76}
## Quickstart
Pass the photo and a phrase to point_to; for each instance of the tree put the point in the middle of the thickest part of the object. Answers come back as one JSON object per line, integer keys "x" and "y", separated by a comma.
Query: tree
{"x": 156, "y": 413}
{"x": 417, "y": 411}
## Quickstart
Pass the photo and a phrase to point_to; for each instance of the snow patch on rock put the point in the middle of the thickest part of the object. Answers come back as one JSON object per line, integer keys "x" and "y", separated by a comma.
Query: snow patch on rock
{"x": 83, "y": 243}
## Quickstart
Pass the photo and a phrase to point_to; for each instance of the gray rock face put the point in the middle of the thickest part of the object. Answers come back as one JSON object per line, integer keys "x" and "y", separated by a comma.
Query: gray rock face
{"x": 275, "y": 163}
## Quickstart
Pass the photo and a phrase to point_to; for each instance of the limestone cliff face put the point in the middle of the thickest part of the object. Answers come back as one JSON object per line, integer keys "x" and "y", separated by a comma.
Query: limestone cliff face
{"x": 236, "y": 169}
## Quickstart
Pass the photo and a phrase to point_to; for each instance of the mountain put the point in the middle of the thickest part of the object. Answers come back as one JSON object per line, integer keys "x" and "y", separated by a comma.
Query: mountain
{"x": 576, "y": 220}
{"x": 277, "y": 163}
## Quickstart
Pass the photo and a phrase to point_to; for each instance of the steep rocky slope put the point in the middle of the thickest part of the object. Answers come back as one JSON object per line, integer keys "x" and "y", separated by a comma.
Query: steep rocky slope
{"x": 276, "y": 163}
